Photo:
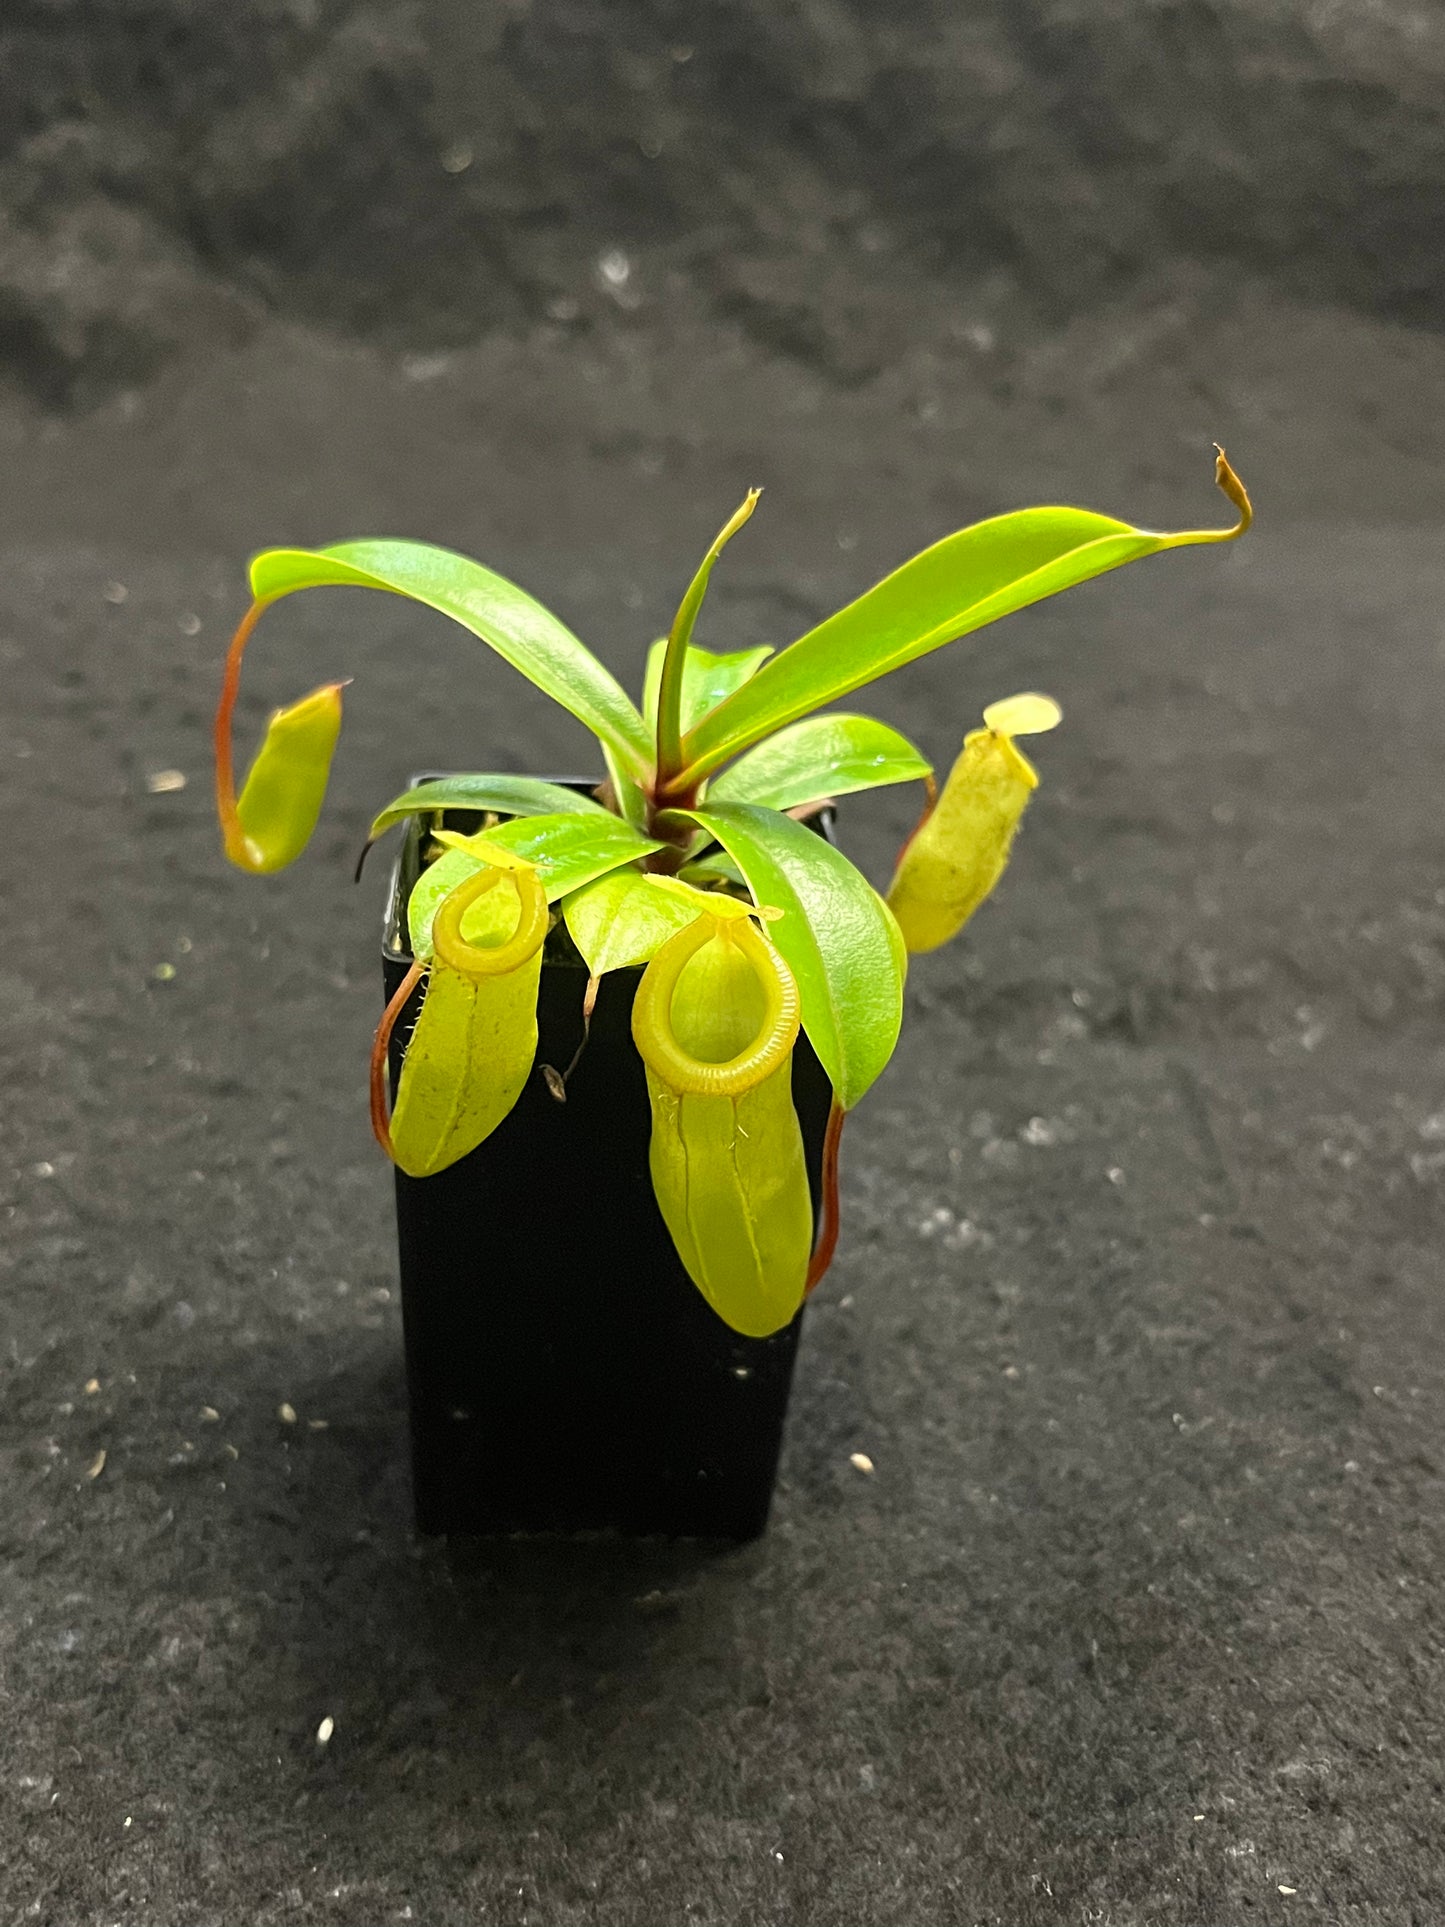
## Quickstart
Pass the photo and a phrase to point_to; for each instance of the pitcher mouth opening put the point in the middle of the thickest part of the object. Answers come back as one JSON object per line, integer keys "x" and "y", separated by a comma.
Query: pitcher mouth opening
{"x": 657, "y": 1040}
{"x": 476, "y": 961}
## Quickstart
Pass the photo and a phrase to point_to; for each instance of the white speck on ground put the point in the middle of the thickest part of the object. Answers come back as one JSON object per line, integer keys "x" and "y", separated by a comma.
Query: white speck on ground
{"x": 614, "y": 268}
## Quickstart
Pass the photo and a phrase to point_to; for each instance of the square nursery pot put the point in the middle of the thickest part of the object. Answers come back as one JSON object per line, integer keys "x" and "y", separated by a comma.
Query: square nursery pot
{"x": 564, "y": 1372}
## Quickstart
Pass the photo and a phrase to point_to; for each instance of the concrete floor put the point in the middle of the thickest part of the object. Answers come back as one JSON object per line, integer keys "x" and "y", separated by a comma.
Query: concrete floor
{"x": 1137, "y": 1308}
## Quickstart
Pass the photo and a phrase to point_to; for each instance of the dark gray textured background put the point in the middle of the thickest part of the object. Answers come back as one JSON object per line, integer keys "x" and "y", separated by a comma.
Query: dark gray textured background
{"x": 1138, "y": 1306}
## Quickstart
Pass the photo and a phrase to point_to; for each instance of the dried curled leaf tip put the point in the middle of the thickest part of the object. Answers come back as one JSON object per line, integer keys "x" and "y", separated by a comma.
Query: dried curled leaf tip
{"x": 1238, "y": 494}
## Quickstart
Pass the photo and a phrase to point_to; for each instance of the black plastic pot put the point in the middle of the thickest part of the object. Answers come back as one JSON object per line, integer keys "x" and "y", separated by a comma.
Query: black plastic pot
{"x": 564, "y": 1372}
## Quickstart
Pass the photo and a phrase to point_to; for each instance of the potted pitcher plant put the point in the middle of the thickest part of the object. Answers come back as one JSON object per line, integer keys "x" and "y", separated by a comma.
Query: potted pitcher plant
{"x": 628, "y": 1012}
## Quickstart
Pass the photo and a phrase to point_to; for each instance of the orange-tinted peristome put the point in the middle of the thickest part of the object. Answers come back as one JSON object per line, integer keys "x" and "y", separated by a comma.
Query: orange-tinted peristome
{"x": 828, "y": 1235}
{"x": 380, "y": 1046}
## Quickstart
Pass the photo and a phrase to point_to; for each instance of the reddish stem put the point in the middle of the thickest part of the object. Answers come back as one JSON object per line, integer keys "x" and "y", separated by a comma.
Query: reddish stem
{"x": 380, "y": 1045}
{"x": 225, "y": 768}
{"x": 674, "y": 836}
{"x": 828, "y": 1237}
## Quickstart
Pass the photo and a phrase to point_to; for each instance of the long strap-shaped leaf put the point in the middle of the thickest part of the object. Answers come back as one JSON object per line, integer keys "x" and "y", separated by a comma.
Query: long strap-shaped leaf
{"x": 837, "y": 936}
{"x": 528, "y": 636}
{"x": 951, "y": 589}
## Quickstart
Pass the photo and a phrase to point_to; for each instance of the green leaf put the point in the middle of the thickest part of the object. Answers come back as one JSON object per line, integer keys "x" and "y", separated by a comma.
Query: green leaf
{"x": 508, "y": 795}
{"x": 820, "y": 756}
{"x": 623, "y": 918}
{"x": 837, "y": 936}
{"x": 631, "y": 797}
{"x": 707, "y": 678}
{"x": 567, "y": 850}
{"x": 960, "y": 584}
{"x": 529, "y": 637}
{"x": 668, "y": 718}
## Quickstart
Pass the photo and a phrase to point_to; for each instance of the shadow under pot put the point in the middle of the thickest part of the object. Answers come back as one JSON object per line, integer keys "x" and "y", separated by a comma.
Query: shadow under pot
{"x": 564, "y": 1373}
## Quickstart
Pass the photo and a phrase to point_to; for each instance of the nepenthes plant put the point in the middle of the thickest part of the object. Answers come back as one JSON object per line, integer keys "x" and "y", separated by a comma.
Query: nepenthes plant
{"x": 695, "y": 858}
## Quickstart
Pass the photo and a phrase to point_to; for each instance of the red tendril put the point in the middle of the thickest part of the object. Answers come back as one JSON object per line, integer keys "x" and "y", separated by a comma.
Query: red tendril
{"x": 380, "y": 1045}
{"x": 828, "y": 1237}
